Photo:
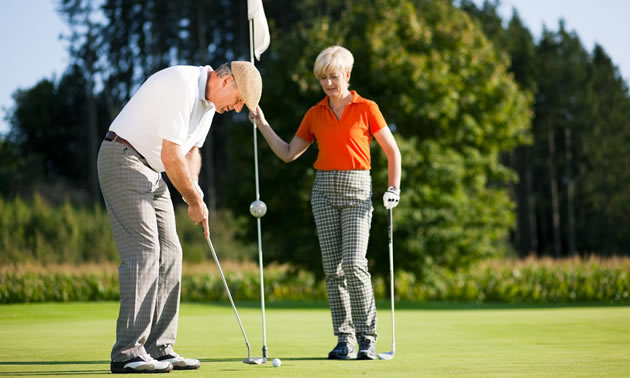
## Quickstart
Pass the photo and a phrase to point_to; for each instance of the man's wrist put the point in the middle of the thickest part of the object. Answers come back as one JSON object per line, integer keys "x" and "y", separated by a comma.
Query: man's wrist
{"x": 195, "y": 201}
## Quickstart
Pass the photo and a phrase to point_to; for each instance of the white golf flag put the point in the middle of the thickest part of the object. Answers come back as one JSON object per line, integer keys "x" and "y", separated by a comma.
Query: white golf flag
{"x": 262, "y": 38}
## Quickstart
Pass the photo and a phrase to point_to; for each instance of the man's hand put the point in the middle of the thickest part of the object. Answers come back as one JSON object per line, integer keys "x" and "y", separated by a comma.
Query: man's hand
{"x": 391, "y": 198}
{"x": 199, "y": 214}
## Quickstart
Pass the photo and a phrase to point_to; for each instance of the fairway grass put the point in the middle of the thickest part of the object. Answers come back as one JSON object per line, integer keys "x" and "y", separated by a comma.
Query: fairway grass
{"x": 76, "y": 338}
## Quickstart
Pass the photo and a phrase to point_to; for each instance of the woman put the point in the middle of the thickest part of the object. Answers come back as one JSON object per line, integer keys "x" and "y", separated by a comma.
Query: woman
{"x": 343, "y": 124}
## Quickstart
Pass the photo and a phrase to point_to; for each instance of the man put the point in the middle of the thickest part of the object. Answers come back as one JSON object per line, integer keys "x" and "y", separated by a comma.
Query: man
{"x": 160, "y": 130}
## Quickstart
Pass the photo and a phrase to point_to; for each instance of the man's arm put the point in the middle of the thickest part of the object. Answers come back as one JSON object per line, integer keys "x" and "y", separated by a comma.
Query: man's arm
{"x": 193, "y": 158}
{"x": 179, "y": 171}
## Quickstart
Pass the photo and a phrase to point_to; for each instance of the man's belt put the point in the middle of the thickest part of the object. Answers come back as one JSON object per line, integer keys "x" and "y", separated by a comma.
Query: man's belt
{"x": 112, "y": 137}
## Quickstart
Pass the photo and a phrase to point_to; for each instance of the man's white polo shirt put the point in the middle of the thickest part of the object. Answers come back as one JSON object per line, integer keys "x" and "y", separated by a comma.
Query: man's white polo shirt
{"x": 170, "y": 105}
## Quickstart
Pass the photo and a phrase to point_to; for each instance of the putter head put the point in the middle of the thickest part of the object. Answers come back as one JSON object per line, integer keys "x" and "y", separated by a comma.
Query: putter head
{"x": 386, "y": 356}
{"x": 254, "y": 360}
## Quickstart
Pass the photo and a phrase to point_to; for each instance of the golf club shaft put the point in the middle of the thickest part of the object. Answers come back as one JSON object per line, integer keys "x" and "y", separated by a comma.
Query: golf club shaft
{"x": 227, "y": 289}
{"x": 390, "y": 231}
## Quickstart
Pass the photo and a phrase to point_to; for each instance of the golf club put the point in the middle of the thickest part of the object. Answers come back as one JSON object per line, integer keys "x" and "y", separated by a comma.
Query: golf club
{"x": 249, "y": 360}
{"x": 390, "y": 239}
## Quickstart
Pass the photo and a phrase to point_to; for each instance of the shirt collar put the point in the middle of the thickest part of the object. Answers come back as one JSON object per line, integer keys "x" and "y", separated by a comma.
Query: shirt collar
{"x": 355, "y": 99}
{"x": 203, "y": 79}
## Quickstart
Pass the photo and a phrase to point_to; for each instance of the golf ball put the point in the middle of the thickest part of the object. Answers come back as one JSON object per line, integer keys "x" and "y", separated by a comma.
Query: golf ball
{"x": 276, "y": 362}
{"x": 258, "y": 208}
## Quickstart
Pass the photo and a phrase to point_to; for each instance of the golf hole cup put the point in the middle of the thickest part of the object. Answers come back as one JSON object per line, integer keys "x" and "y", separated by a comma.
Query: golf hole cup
{"x": 276, "y": 362}
{"x": 258, "y": 209}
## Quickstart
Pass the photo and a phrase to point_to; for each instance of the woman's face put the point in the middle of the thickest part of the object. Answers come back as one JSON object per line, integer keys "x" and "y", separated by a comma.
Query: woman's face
{"x": 335, "y": 83}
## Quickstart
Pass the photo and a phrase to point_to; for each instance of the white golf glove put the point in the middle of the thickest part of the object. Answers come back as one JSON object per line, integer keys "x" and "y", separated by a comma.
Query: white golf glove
{"x": 391, "y": 198}
{"x": 198, "y": 188}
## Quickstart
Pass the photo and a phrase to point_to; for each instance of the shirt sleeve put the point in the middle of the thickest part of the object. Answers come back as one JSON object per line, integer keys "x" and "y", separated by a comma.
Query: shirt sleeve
{"x": 375, "y": 118}
{"x": 176, "y": 105}
{"x": 305, "y": 131}
{"x": 206, "y": 123}
{"x": 201, "y": 140}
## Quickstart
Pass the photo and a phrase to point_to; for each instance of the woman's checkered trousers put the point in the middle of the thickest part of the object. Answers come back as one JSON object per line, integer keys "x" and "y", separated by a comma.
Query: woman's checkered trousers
{"x": 342, "y": 208}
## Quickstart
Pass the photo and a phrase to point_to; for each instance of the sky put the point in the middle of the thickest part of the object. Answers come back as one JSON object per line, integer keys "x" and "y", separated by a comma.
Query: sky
{"x": 32, "y": 50}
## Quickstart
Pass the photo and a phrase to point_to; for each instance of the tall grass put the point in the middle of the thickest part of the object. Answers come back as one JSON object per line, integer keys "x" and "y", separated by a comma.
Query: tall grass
{"x": 67, "y": 253}
{"x": 592, "y": 280}
{"x": 531, "y": 280}
{"x": 35, "y": 231}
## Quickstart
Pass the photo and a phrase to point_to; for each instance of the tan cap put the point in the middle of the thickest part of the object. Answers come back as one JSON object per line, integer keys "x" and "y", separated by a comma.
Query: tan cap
{"x": 248, "y": 81}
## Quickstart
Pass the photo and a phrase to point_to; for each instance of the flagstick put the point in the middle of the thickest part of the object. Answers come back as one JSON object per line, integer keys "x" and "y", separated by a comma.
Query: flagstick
{"x": 260, "y": 257}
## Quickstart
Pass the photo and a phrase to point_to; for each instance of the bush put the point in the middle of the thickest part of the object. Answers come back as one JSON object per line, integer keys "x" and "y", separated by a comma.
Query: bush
{"x": 35, "y": 231}
{"x": 529, "y": 281}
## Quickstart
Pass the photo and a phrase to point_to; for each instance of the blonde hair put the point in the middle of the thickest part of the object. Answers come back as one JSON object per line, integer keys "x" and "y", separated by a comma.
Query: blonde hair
{"x": 331, "y": 59}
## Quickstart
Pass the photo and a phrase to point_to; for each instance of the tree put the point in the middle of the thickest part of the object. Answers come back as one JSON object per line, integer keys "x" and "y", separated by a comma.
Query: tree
{"x": 561, "y": 104}
{"x": 520, "y": 46}
{"x": 603, "y": 222}
{"x": 518, "y": 43}
{"x": 84, "y": 41}
{"x": 48, "y": 125}
{"x": 569, "y": 180}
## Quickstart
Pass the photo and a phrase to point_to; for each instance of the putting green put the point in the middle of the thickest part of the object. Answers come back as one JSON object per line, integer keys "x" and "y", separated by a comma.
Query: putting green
{"x": 436, "y": 340}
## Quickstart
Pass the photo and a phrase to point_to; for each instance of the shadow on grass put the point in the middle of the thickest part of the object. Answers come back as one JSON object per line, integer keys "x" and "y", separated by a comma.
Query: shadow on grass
{"x": 274, "y": 304}
{"x": 23, "y": 373}
{"x": 446, "y": 305}
{"x": 384, "y": 304}
{"x": 269, "y": 361}
{"x": 52, "y": 362}
{"x": 53, "y": 372}
{"x": 222, "y": 359}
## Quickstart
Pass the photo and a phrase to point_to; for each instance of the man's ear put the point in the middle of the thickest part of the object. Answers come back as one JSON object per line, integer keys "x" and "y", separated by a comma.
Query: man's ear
{"x": 227, "y": 80}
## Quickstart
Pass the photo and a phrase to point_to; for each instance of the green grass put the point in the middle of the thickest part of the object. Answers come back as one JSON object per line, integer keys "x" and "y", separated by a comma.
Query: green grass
{"x": 432, "y": 340}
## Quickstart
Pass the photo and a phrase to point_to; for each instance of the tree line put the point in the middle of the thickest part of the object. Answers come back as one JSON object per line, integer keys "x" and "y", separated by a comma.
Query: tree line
{"x": 572, "y": 192}
{"x": 510, "y": 144}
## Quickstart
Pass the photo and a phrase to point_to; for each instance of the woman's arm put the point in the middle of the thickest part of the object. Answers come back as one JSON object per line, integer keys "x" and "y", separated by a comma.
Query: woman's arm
{"x": 387, "y": 142}
{"x": 287, "y": 152}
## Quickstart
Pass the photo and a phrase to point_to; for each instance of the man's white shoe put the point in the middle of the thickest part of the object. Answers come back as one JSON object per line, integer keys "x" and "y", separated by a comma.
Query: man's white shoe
{"x": 139, "y": 365}
{"x": 180, "y": 363}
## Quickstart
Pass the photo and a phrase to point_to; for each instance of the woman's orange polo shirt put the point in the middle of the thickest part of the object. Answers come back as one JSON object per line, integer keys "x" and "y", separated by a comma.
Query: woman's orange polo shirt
{"x": 343, "y": 144}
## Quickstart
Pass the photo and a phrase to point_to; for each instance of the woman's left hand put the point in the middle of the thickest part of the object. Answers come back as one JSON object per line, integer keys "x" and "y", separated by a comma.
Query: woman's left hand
{"x": 391, "y": 198}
